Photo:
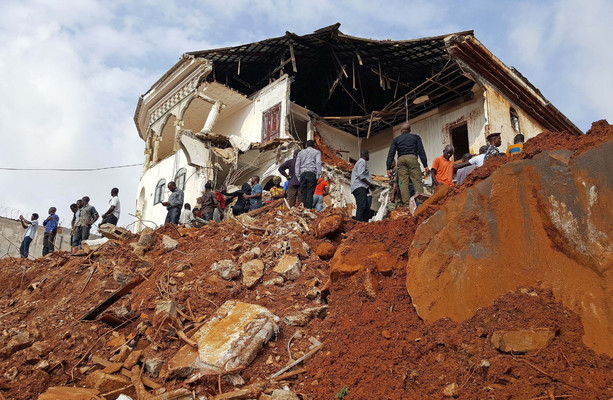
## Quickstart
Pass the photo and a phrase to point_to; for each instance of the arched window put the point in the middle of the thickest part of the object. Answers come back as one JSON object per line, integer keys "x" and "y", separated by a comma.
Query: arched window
{"x": 159, "y": 191}
{"x": 515, "y": 120}
{"x": 180, "y": 179}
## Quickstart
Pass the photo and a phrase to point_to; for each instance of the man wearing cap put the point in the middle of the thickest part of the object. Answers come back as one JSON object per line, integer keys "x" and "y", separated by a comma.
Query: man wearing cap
{"x": 494, "y": 141}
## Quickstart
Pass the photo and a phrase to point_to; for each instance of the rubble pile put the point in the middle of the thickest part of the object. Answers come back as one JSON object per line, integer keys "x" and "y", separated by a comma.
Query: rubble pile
{"x": 279, "y": 304}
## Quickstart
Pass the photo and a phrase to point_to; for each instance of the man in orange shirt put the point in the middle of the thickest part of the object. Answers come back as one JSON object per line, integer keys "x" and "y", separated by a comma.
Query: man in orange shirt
{"x": 442, "y": 168}
{"x": 321, "y": 190}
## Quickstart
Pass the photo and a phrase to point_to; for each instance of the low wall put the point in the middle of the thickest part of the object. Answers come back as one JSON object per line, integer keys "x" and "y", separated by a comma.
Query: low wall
{"x": 12, "y": 234}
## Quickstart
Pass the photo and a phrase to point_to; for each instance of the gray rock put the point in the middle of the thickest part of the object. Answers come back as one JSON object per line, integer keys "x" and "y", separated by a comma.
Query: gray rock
{"x": 252, "y": 272}
{"x": 288, "y": 267}
{"x": 280, "y": 394}
{"x": 227, "y": 269}
{"x": 152, "y": 367}
{"x": 303, "y": 317}
{"x": 169, "y": 243}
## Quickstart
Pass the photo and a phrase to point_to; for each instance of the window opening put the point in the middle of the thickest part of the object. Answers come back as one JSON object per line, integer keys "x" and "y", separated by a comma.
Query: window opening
{"x": 515, "y": 120}
{"x": 159, "y": 191}
{"x": 459, "y": 140}
{"x": 271, "y": 123}
{"x": 180, "y": 179}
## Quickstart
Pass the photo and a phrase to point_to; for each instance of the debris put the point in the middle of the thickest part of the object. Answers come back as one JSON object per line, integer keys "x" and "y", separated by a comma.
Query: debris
{"x": 451, "y": 390}
{"x": 109, "y": 301}
{"x": 152, "y": 367}
{"x": 125, "y": 372}
{"x": 303, "y": 317}
{"x": 106, "y": 382}
{"x": 288, "y": 267}
{"x": 281, "y": 394}
{"x": 93, "y": 244}
{"x": 111, "y": 231}
{"x": 227, "y": 269}
{"x": 166, "y": 314}
{"x": 252, "y": 272}
{"x": 70, "y": 393}
{"x": 523, "y": 340}
{"x": 298, "y": 247}
{"x": 325, "y": 250}
{"x": 249, "y": 255}
{"x": 250, "y": 392}
{"x": 329, "y": 226}
{"x": 169, "y": 243}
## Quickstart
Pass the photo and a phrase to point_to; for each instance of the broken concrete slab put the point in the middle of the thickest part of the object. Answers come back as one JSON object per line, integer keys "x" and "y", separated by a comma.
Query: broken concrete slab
{"x": 70, "y": 393}
{"x": 252, "y": 272}
{"x": 288, "y": 267}
{"x": 227, "y": 269}
{"x": 153, "y": 366}
{"x": 93, "y": 244}
{"x": 522, "y": 340}
{"x": 229, "y": 341}
{"x": 110, "y": 231}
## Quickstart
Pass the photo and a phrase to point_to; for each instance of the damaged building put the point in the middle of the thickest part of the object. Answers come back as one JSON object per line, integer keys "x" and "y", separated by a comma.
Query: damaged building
{"x": 227, "y": 114}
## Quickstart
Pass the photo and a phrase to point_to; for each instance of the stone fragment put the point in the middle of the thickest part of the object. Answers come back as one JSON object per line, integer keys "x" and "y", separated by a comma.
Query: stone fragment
{"x": 325, "y": 250}
{"x": 124, "y": 353}
{"x": 93, "y": 244}
{"x": 298, "y": 247}
{"x": 19, "y": 341}
{"x": 106, "y": 382}
{"x": 313, "y": 294}
{"x": 303, "y": 317}
{"x": 329, "y": 226}
{"x": 350, "y": 258}
{"x": 280, "y": 394}
{"x": 169, "y": 243}
{"x": 277, "y": 280}
{"x": 451, "y": 390}
{"x": 166, "y": 314}
{"x": 147, "y": 238}
{"x": 230, "y": 340}
{"x": 122, "y": 275}
{"x": 112, "y": 368}
{"x": 252, "y": 272}
{"x": 116, "y": 341}
{"x": 386, "y": 334}
{"x": 227, "y": 269}
{"x": 249, "y": 255}
{"x": 132, "y": 359}
{"x": 288, "y": 267}
{"x": 69, "y": 393}
{"x": 111, "y": 231}
{"x": 523, "y": 340}
{"x": 11, "y": 373}
{"x": 42, "y": 364}
{"x": 152, "y": 367}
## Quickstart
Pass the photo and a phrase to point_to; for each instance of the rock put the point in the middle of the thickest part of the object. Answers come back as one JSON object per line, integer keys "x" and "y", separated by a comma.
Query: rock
{"x": 166, "y": 314}
{"x": 69, "y": 393}
{"x": 106, "y": 382}
{"x": 230, "y": 340}
{"x": 329, "y": 226}
{"x": 124, "y": 353}
{"x": 116, "y": 341}
{"x": 11, "y": 373}
{"x": 313, "y": 294}
{"x": 152, "y": 367}
{"x": 522, "y": 340}
{"x": 542, "y": 221}
{"x": 252, "y": 272}
{"x": 169, "y": 243}
{"x": 249, "y": 255}
{"x": 132, "y": 359}
{"x": 298, "y": 247}
{"x": 280, "y": 394}
{"x": 112, "y": 368}
{"x": 277, "y": 280}
{"x": 288, "y": 267}
{"x": 122, "y": 275}
{"x": 303, "y": 317}
{"x": 386, "y": 334}
{"x": 20, "y": 341}
{"x": 42, "y": 364}
{"x": 451, "y": 390}
{"x": 111, "y": 231}
{"x": 227, "y": 269}
{"x": 234, "y": 379}
{"x": 147, "y": 238}
{"x": 325, "y": 250}
{"x": 350, "y": 258}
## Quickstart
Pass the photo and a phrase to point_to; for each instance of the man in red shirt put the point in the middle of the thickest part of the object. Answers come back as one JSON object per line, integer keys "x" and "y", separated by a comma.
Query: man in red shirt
{"x": 217, "y": 215}
{"x": 321, "y": 190}
{"x": 442, "y": 168}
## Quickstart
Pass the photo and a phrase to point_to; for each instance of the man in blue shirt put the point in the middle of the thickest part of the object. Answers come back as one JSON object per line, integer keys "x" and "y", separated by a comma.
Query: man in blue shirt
{"x": 255, "y": 198}
{"x": 50, "y": 225}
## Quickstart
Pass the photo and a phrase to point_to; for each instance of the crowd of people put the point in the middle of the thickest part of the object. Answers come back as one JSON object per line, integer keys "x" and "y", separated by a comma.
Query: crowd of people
{"x": 84, "y": 215}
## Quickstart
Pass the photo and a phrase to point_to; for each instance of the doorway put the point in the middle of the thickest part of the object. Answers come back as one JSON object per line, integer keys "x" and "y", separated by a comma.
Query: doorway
{"x": 459, "y": 140}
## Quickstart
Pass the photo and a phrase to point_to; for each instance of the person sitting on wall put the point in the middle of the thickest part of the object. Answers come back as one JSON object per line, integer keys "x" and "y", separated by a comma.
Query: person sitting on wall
{"x": 517, "y": 146}
{"x": 255, "y": 198}
{"x": 28, "y": 236}
{"x": 442, "y": 168}
{"x": 174, "y": 204}
{"x": 242, "y": 204}
{"x": 209, "y": 202}
{"x": 494, "y": 141}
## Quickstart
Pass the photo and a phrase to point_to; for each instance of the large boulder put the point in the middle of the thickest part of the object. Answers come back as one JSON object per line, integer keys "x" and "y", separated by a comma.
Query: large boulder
{"x": 542, "y": 221}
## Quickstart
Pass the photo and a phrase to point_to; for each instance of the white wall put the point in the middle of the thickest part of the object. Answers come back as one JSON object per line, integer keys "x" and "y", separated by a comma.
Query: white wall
{"x": 247, "y": 122}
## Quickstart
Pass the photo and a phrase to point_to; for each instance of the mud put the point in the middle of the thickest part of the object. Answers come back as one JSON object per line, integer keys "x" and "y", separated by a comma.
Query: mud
{"x": 374, "y": 343}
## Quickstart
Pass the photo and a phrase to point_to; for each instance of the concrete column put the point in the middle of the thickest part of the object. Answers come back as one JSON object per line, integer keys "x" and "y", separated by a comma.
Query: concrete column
{"x": 178, "y": 128}
{"x": 147, "y": 159}
{"x": 156, "y": 149}
{"x": 212, "y": 117}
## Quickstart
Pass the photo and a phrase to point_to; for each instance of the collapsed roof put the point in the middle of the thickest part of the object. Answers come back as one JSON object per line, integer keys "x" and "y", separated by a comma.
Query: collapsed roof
{"x": 363, "y": 86}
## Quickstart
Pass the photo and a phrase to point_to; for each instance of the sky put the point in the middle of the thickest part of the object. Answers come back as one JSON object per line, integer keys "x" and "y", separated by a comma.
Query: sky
{"x": 72, "y": 71}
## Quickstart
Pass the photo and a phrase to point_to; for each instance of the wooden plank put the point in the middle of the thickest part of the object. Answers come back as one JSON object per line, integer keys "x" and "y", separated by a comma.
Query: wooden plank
{"x": 112, "y": 299}
{"x": 125, "y": 372}
{"x": 293, "y": 57}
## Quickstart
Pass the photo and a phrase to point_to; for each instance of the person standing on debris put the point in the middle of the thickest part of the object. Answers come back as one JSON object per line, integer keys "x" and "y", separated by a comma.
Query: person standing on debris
{"x": 517, "y": 146}
{"x": 409, "y": 147}
{"x": 218, "y": 213}
{"x": 111, "y": 216}
{"x": 442, "y": 168}
{"x": 494, "y": 141}
{"x": 322, "y": 189}
{"x": 361, "y": 182}
{"x": 50, "y": 224}
{"x": 255, "y": 198}
{"x": 76, "y": 210}
{"x": 174, "y": 204}
{"x": 87, "y": 216}
{"x": 30, "y": 227}
{"x": 308, "y": 169}
{"x": 242, "y": 204}
{"x": 209, "y": 202}
{"x": 287, "y": 169}
{"x": 186, "y": 216}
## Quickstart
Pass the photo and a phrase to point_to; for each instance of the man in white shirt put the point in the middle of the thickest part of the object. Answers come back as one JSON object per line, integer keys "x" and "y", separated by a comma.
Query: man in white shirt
{"x": 112, "y": 214}
{"x": 30, "y": 227}
{"x": 186, "y": 216}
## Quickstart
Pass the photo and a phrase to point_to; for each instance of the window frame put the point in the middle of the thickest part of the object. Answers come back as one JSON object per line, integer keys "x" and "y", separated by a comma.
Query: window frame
{"x": 181, "y": 173}
{"x": 159, "y": 191}
{"x": 271, "y": 123}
